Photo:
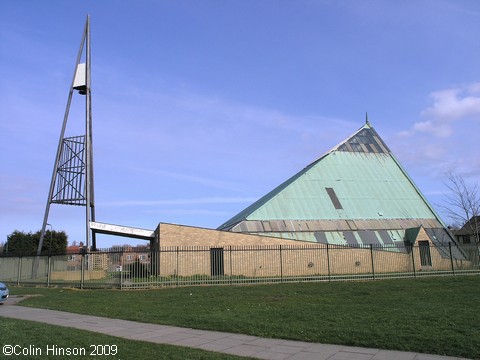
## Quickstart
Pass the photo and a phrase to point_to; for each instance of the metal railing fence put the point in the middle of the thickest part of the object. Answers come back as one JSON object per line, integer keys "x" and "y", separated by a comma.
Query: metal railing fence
{"x": 186, "y": 266}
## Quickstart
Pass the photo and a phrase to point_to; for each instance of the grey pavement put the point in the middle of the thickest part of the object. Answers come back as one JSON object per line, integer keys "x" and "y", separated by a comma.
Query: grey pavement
{"x": 228, "y": 343}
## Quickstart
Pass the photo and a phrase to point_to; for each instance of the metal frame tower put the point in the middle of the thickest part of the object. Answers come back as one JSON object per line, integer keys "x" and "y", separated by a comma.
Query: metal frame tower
{"x": 72, "y": 178}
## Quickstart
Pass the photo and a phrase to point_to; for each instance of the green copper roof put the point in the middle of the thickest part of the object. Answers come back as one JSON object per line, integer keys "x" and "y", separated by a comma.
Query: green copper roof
{"x": 346, "y": 185}
{"x": 359, "y": 179}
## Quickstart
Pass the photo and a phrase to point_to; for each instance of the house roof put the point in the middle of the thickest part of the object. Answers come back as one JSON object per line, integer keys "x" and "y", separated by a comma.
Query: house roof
{"x": 471, "y": 226}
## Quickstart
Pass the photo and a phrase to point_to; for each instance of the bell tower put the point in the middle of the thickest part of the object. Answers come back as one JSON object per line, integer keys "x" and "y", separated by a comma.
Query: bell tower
{"x": 72, "y": 177}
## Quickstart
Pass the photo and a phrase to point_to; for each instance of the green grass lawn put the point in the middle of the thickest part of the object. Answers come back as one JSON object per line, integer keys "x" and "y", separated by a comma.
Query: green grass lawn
{"x": 438, "y": 315}
{"x": 33, "y": 336}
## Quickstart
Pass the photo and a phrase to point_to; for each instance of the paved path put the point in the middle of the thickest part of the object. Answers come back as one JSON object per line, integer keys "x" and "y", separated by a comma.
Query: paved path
{"x": 236, "y": 344}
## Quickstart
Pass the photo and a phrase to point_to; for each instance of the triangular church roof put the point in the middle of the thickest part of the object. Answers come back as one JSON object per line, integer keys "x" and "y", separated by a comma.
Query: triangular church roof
{"x": 355, "y": 187}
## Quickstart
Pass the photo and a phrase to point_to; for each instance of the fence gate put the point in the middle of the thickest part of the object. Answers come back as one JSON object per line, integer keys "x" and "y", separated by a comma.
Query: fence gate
{"x": 216, "y": 262}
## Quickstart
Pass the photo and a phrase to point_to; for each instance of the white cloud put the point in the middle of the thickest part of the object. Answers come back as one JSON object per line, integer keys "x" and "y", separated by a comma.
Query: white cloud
{"x": 437, "y": 129}
{"x": 171, "y": 202}
{"x": 442, "y": 141}
{"x": 448, "y": 106}
{"x": 189, "y": 212}
{"x": 208, "y": 182}
{"x": 454, "y": 104}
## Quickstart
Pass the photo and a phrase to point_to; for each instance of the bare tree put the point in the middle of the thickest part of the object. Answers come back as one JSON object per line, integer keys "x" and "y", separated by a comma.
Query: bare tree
{"x": 462, "y": 204}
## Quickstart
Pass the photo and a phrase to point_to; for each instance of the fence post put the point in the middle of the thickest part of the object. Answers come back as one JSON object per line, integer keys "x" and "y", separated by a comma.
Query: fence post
{"x": 158, "y": 262}
{"x": 413, "y": 261}
{"x": 478, "y": 255}
{"x": 122, "y": 269}
{"x": 281, "y": 264}
{"x": 19, "y": 270}
{"x": 328, "y": 263}
{"x": 48, "y": 271}
{"x": 82, "y": 269}
{"x": 231, "y": 266}
{"x": 176, "y": 266}
{"x": 451, "y": 257}
{"x": 371, "y": 257}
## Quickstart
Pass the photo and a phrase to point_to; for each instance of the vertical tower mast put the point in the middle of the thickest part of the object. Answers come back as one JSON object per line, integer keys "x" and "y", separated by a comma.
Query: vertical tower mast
{"x": 72, "y": 177}
{"x": 90, "y": 204}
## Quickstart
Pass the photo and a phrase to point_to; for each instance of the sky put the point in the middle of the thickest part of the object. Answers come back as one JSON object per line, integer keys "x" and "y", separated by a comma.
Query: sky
{"x": 202, "y": 107}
